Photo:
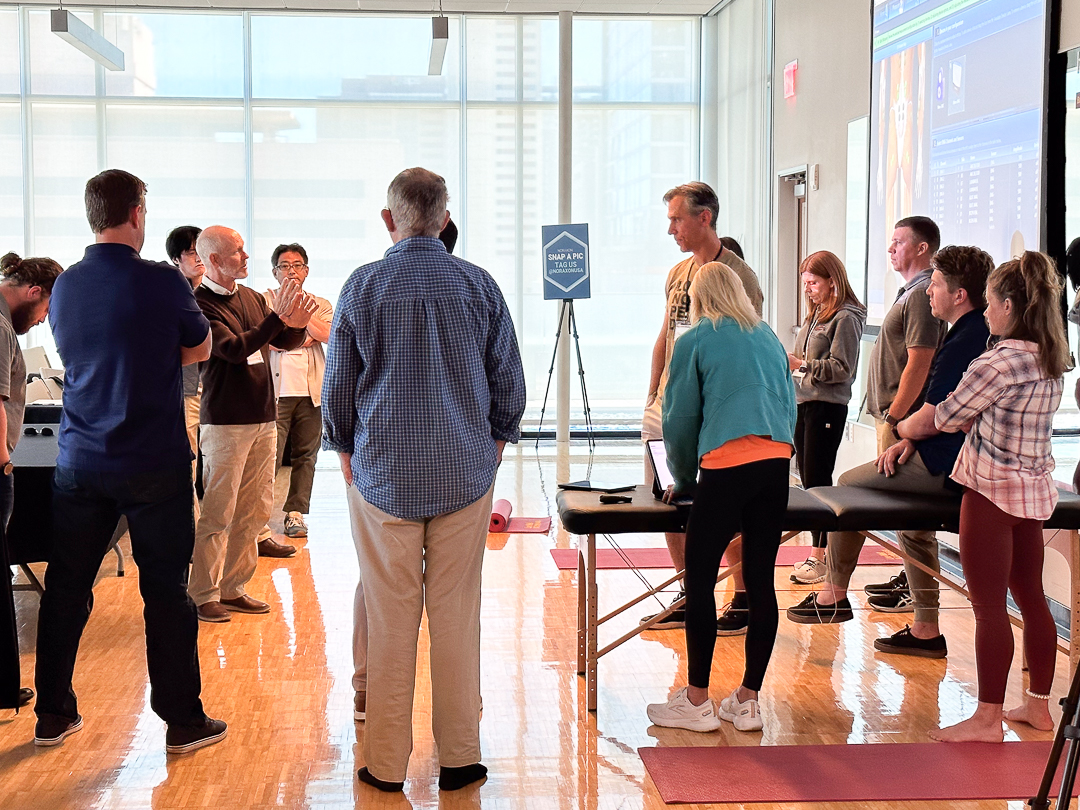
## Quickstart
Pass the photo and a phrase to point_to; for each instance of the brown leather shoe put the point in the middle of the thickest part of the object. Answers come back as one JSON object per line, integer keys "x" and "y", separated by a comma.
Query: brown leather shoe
{"x": 272, "y": 548}
{"x": 213, "y": 612}
{"x": 245, "y": 604}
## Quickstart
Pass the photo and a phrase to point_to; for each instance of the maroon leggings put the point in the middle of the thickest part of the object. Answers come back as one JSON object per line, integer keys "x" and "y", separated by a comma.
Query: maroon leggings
{"x": 999, "y": 552}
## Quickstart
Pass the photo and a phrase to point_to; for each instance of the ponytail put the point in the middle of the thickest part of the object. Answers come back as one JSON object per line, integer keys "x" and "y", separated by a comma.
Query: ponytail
{"x": 1034, "y": 286}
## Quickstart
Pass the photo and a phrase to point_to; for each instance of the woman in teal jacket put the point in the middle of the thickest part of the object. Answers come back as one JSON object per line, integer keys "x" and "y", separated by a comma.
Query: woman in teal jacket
{"x": 729, "y": 419}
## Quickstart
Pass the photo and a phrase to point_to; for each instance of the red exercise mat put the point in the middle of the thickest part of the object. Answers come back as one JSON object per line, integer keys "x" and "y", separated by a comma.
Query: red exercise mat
{"x": 609, "y": 558}
{"x": 895, "y": 772}
{"x": 500, "y": 515}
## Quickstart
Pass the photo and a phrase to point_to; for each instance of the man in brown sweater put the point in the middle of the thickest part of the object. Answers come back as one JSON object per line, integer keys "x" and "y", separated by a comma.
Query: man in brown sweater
{"x": 238, "y": 420}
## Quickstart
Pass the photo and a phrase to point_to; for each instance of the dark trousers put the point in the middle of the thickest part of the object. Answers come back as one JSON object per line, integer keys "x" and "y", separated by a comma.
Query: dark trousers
{"x": 300, "y": 421}
{"x": 86, "y": 508}
{"x": 819, "y": 427}
{"x": 751, "y": 498}
{"x": 9, "y": 632}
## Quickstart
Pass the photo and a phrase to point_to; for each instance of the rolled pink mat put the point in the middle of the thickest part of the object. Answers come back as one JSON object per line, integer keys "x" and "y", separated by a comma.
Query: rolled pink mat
{"x": 500, "y": 515}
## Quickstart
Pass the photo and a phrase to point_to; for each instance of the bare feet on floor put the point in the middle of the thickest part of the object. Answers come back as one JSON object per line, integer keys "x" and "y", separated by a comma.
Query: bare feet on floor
{"x": 978, "y": 728}
{"x": 1035, "y": 713}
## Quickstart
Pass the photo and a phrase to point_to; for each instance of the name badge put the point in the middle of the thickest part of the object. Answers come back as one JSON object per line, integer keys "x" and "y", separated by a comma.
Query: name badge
{"x": 255, "y": 359}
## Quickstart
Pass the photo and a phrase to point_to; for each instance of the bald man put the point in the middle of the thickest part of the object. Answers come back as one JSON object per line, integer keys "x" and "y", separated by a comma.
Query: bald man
{"x": 238, "y": 419}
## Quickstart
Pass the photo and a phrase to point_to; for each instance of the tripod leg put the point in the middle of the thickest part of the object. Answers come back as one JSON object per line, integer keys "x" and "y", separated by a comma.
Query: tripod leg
{"x": 1067, "y": 730}
{"x": 551, "y": 370}
{"x": 581, "y": 375}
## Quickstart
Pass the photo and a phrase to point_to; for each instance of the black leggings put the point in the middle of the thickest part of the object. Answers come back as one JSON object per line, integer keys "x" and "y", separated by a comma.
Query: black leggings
{"x": 751, "y": 498}
{"x": 819, "y": 427}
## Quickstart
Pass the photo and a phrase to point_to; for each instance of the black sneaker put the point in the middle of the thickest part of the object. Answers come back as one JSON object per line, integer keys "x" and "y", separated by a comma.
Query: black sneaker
{"x": 904, "y": 643}
{"x": 51, "y": 730}
{"x": 808, "y": 611}
{"x": 673, "y": 621}
{"x": 182, "y": 739}
{"x": 896, "y": 583}
{"x": 899, "y": 601}
{"x": 733, "y": 621}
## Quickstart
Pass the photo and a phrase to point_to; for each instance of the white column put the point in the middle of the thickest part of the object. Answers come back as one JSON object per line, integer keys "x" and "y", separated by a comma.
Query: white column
{"x": 566, "y": 107}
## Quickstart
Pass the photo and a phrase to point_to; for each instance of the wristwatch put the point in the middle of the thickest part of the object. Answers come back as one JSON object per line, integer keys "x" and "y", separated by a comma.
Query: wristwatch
{"x": 7, "y": 468}
{"x": 890, "y": 420}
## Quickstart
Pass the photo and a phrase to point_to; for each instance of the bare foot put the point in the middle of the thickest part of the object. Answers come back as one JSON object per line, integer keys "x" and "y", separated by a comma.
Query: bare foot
{"x": 1035, "y": 714}
{"x": 974, "y": 729}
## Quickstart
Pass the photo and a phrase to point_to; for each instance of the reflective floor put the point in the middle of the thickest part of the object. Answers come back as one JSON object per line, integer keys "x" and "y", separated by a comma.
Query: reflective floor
{"x": 282, "y": 682}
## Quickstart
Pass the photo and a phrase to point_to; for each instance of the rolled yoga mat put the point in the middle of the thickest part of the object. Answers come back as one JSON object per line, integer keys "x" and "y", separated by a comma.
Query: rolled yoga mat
{"x": 500, "y": 515}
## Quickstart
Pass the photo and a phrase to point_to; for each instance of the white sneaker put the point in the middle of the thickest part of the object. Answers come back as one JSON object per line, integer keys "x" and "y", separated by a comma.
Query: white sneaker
{"x": 809, "y": 571}
{"x": 294, "y": 525}
{"x": 679, "y": 712}
{"x": 744, "y": 716}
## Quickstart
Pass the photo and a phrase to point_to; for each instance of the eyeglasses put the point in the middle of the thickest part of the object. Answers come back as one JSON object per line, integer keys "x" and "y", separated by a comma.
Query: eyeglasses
{"x": 285, "y": 267}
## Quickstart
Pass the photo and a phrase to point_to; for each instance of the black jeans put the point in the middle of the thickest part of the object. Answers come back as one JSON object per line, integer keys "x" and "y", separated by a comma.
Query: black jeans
{"x": 86, "y": 508}
{"x": 819, "y": 427}
{"x": 751, "y": 498}
{"x": 10, "y": 680}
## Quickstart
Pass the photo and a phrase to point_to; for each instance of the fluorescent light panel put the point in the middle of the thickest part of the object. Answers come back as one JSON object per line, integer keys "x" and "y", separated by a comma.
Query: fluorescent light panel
{"x": 440, "y": 36}
{"x": 69, "y": 27}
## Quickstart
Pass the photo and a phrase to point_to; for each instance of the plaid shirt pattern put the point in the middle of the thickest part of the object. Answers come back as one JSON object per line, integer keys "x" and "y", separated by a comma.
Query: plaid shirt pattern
{"x": 1006, "y": 456}
{"x": 423, "y": 375}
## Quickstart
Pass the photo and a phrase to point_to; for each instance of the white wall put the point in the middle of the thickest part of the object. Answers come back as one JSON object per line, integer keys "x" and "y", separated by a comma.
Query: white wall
{"x": 1070, "y": 25}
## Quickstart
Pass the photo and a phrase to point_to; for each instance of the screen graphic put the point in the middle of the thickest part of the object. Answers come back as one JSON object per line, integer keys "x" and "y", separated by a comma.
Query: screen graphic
{"x": 956, "y": 127}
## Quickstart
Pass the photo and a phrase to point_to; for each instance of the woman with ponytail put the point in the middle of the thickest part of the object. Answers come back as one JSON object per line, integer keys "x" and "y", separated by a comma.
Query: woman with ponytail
{"x": 1006, "y": 403}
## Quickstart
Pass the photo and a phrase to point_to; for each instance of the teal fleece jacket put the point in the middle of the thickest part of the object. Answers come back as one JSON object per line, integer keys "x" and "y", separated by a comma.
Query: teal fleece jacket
{"x": 724, "y": 383}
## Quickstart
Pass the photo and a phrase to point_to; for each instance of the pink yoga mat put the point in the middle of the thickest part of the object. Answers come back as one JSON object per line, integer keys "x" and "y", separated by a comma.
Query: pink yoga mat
{"x": 895, "y": 772}
{"x": 609, "y": 558}
{"x": 500, "y": 515}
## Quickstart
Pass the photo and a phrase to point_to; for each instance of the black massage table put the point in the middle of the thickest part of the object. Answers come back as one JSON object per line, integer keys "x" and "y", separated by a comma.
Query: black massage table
{"x": 866, "y": 511}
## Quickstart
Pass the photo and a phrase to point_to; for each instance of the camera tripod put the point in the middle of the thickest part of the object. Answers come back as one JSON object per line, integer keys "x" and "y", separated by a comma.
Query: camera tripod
{"x": 567, "y": 311}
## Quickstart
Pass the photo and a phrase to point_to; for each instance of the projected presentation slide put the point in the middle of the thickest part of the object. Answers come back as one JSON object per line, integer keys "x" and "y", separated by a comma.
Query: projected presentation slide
{"x": 956, "y": 127}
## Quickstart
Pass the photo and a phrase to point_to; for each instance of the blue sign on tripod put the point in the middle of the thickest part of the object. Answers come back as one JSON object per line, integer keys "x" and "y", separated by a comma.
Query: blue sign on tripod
{"x": 566, "y": 261}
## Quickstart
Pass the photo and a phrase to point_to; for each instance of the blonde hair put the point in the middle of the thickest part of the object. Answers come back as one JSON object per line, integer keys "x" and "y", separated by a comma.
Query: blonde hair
{"x": 1034, "y": 286}
{"x": 717, "y": 293}
{"x": 828, "y": 266}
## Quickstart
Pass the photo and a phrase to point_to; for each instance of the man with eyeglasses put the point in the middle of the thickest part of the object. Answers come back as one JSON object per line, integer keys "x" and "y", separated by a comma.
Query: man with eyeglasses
{"x": 298, "y": 377}
{"x": 237, "y": 422}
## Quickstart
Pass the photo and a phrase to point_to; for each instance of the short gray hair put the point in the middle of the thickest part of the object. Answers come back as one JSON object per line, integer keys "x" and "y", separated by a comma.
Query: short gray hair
{"x": 699, "y": 197}
{"x": 417, "y": 200}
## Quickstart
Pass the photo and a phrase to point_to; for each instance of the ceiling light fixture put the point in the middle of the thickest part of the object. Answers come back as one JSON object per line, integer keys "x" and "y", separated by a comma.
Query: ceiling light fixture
{"x": 440, "y": 37}
{"x": 70, "y": 28}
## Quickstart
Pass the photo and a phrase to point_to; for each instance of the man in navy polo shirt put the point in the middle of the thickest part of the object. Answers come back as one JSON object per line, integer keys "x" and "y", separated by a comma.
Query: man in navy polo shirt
{"x": 123, "y": 327}
{"x": 919, "y": 462}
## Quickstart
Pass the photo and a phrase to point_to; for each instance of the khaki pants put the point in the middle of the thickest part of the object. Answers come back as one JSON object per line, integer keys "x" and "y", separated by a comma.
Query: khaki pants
{"x": 191, "y": 420}
{"x": 360, "y": 632}
{"x": 407, "y": 566}
{"x": 652, "y": 427}
{"x": 844, "y": 547}
{"x": 238, "y": 478}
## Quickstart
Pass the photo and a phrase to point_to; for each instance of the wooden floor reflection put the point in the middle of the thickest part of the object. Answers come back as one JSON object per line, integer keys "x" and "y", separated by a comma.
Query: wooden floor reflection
{"x": 282, "y": 682}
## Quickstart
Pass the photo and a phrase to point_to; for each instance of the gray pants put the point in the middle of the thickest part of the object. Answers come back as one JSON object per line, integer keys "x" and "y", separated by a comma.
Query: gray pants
{"x": 844, "y": 547}
{"x": 299, "y": 419}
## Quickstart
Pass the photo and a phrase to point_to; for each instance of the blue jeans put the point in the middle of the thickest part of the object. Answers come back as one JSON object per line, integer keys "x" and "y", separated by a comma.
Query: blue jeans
{"x": 86, "y": 508}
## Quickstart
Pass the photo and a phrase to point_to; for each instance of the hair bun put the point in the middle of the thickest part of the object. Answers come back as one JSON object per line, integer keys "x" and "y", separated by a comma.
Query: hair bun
{"x": 10, "y": 263}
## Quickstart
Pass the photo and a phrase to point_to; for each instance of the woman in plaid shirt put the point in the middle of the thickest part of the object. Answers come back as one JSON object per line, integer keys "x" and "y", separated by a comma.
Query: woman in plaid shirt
{"x": 1006, "y": 403}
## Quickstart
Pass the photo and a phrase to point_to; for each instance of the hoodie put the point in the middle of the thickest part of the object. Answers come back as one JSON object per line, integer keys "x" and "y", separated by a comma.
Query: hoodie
{"x": 830, "y": 353}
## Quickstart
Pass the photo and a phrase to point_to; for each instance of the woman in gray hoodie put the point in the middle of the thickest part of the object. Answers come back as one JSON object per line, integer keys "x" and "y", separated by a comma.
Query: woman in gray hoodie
{"x": 823, "y": 366}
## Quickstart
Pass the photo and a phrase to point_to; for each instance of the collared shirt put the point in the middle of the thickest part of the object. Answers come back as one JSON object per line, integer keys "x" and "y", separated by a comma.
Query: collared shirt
{"x": 423, "y": 375}
{"x": 908, "y": 324}
{"x": 1006, "y": 456}
{"x": 210, "y": 284}
{"x": 119, "y": 323}
{"x": 965, "y": 341}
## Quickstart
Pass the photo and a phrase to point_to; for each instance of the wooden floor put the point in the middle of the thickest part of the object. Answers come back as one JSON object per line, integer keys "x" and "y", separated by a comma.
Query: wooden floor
{"x": 282, "y": 682}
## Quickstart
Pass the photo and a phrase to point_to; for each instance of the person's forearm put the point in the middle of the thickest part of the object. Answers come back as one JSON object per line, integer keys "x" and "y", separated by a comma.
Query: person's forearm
{"x": 657, "y": 369}
{"x": 318, "y": 329}
{"x": 920, "y": 425}
{"x": 5, "y": 456}
{"x": 912, "y": 382}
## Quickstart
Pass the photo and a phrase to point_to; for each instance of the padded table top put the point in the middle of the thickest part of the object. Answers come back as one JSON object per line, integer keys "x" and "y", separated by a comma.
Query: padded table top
{"x": 582, "y": 513}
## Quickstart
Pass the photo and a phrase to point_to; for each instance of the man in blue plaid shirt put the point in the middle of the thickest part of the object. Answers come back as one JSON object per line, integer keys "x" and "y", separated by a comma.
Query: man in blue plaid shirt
{"x": 423, "y": 388}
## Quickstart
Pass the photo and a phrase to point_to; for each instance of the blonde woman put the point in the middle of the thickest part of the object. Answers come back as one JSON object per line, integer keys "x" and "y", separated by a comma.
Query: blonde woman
{"x": 824, "y": 362}
{"x": 1006, "y": 402}
{"x": 729, "y": 415}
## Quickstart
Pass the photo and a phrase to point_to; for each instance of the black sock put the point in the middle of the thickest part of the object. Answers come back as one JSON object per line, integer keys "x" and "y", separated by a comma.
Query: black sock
{"x": 457, "y": 778}
{"x": 739, "y": 600}
{"x": 364, "y": 775}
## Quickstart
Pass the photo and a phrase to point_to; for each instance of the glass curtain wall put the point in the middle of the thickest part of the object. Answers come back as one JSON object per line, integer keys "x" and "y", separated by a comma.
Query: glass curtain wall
{"x": 289, "y": 127}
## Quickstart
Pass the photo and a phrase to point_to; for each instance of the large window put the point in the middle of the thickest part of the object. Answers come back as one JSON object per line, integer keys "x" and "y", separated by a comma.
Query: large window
{"x": 298, "y": 141}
